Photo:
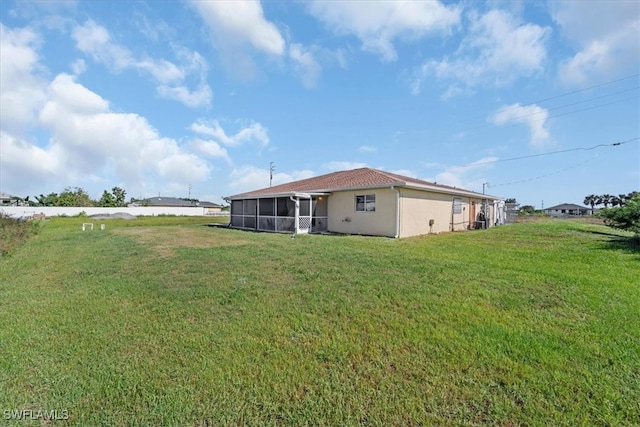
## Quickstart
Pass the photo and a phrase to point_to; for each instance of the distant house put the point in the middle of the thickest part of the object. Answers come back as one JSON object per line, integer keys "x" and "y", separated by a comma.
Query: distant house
{"x": 567, "y": 209}
{"x": 6, "y": 199}
{"x": 364, "y": 201}
{"x": 173, "y": 202}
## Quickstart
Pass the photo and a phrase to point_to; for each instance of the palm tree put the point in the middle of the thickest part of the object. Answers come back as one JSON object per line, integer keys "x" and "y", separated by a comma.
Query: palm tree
{"x": 617, "y": 201}
{"x": 605, "y": 200}
{"x": 591, "y": 200}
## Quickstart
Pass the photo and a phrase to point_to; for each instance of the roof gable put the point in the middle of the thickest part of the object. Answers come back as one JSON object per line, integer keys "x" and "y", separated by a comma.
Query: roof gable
{"x": 350, "y": 179}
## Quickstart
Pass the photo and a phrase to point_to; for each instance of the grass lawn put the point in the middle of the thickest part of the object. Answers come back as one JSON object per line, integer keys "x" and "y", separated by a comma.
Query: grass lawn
{"x": 163, "y": 321}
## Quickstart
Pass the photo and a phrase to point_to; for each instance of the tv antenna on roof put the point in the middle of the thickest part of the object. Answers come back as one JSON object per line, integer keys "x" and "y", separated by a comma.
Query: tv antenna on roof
{"x": 272, "y": 167}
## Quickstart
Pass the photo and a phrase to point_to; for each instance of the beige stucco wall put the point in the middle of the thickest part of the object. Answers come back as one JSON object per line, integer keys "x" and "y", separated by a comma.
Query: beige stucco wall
{"x": 343, "y": 217}
{"x": 417, "y": 208}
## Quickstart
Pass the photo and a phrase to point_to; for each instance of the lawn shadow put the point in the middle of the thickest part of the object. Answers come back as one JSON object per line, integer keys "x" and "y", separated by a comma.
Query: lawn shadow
{"x": 614, "y": 241}
{"x": 629, "y": 244}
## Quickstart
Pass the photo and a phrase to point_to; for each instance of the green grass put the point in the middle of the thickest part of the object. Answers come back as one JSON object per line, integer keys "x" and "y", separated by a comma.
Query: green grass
{"x": 162, "y": 321}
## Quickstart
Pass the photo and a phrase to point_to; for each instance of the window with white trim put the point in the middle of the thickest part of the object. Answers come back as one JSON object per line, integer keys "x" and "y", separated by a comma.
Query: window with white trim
{"x": 365, "y": 203}
{"x": 457, "y": 205}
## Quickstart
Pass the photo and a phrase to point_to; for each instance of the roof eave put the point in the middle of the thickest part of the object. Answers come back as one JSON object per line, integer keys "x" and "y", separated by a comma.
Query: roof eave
{"x": 325, "y": 191}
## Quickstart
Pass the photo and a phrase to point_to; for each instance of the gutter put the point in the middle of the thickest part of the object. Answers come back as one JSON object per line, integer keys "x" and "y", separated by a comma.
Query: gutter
{"x": 397, "y": 235}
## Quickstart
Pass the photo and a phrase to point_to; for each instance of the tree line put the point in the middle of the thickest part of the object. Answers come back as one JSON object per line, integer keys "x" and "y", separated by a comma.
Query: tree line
{"x": 76, "y": 196}
{"x": 594, "y": 200}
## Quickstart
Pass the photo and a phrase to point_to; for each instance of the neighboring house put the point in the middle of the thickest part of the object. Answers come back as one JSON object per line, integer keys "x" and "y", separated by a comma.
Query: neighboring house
{"x": 177, "y": 202}
{"x": 6, "y": 199}
{"x": 568, "y": 209}
{"x": 364, "y": 201}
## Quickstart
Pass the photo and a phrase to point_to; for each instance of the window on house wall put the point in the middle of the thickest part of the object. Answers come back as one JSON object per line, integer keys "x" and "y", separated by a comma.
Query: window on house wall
{"x": 457, "y": 205}
{"x": 366, "y": 203}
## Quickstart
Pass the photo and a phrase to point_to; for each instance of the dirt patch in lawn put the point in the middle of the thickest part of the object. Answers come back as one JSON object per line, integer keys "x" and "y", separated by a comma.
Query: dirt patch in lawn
{"x": 165, "y": 240}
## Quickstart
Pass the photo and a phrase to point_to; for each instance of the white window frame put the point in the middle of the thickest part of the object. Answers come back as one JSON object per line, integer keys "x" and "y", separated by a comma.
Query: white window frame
{"x": 367, "y": 200}
{"x": 457, "y": 205}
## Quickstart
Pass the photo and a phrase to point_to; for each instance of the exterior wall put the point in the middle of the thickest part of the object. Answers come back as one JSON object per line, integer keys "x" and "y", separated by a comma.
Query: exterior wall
{"x": 343, "y": 217}
{"x": 28, "y": 211}
{"x": 418, "y": 208}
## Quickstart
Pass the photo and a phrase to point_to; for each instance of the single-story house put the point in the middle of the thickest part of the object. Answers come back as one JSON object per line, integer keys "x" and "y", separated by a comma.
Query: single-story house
{"x": 6, "y": 199}
{"x": 364, "y": 201}
{"x": 567, "y": 209}
{"x": 173, "y": 202}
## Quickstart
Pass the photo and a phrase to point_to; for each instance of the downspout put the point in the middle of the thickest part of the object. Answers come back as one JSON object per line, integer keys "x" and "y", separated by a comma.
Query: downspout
{"x": 295, "y": 221}
{"x": 397, "y": 212}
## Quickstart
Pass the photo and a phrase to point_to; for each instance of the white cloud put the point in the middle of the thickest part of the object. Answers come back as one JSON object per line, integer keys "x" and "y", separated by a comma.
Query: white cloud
{"x": 89, "y": 142}
{"x": 253, "y": 133}
{"x": 73, "y": 97}
{"x": 239, "y": 22}
{"x": 181, "y": 167}
{"x": 534, "y": 116}
{"x": 196, "y": 98}
{"x": 21, "y": 89}
{"x": 78, "y": 67}
{"x": 468, "y": 176}
{"x": 210, "y": 148}
{"x": 379, "y": 24}
{"x": 497, "y": 50}
{"x": 338, "y": 165}
{"x": 367, "y": 149}
{"x": 606, "y": 37}
{"x": 239, "y": 28}
{"x": 20, "y": 159}
{"x": 248, "y": 178}
{"x": 306, "y": 64}
{"x": 95, "y": 41}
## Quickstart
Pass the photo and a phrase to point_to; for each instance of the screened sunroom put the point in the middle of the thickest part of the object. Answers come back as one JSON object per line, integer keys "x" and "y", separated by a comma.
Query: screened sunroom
{"x": 293, "y": 213}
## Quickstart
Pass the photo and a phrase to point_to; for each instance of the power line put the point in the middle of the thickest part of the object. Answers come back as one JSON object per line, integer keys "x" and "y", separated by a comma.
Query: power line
{"x": 615, "y": 144}
{"x": 474, "y": 128}
{"x": 553, "y": 173}
{"x": 515, "y": 119}
{"x": 575, "y": 91}
{"x": 576, "y": 103}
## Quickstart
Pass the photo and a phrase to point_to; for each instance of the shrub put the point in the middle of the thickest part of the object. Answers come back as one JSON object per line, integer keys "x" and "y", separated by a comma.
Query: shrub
{"x": 15, "y": 231}
{"x": 625, "y": 217}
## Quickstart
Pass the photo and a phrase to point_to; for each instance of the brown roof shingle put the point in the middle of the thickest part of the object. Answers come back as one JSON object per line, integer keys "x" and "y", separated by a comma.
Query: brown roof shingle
{"x": 355, "y": 178}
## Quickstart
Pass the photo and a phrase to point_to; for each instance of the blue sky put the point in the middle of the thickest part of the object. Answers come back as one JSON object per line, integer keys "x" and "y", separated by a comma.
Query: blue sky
{"x": 200, "y": 96}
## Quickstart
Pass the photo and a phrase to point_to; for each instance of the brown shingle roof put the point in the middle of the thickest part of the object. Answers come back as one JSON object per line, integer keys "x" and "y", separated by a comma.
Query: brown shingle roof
{"x": 355, "y": 178}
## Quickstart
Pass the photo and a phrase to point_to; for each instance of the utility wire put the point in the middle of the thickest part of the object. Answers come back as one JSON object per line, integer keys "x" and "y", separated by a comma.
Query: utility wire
{"x": 554, "y": 173}
{"x": 511, "y": 107}
{"x": 574, "y": 92}
{"x": 615, "y": 144}
{"x": 510, "y": 123}
{"x": 574, "y": 103}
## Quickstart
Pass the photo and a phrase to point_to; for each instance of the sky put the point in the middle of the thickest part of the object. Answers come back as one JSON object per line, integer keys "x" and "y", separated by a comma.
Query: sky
{"x": 199, "y": 98}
